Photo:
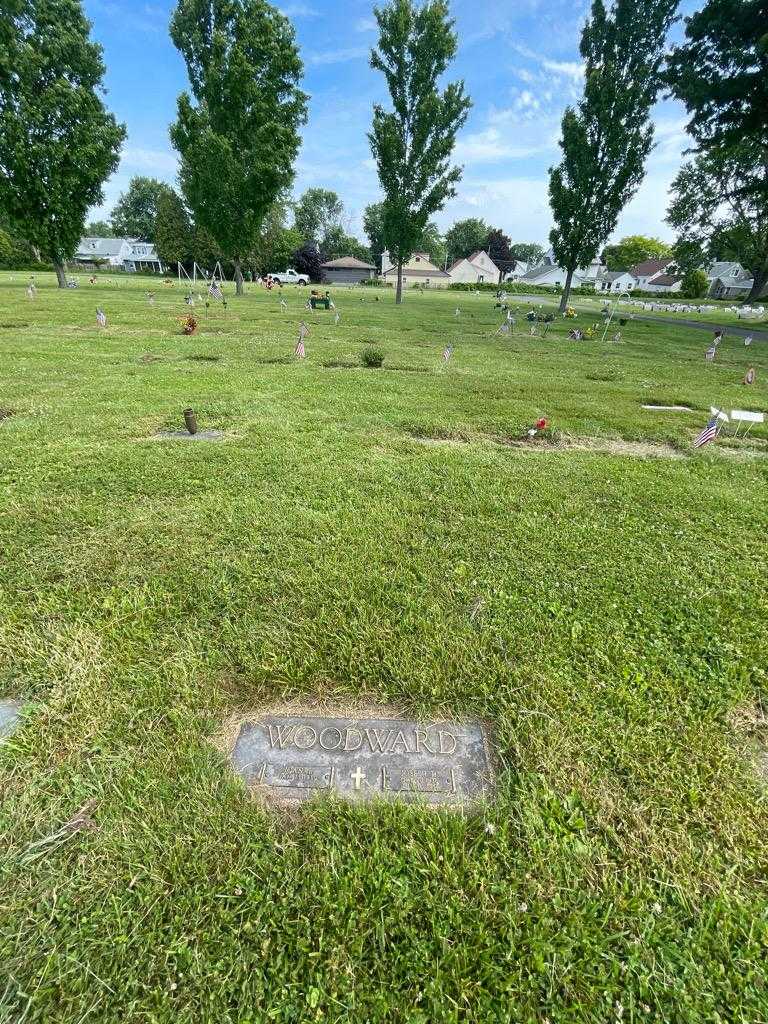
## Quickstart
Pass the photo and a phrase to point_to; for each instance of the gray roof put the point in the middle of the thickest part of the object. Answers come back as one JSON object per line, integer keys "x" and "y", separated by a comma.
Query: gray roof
{"x": 731, "y": 270}
{"x": 100, "y": 247}
{"x": 347, "y": 263}
{"x": 613, "y": 275}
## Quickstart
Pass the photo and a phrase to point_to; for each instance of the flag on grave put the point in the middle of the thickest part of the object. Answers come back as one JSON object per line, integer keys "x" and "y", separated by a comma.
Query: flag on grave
{"x": 283, "y": 305}
{"x": 215, "y": 291}
{"x": 709, "y": 355}
{"x": 299, "y": 351}
{"x": 31, "y": 291}
{"x": 709, "y": 433}
{"x": 504, "y": 329}
{"x": 101, "y": 317}
{"x": 337, "y": 317}
{"x": 447, "y": 353}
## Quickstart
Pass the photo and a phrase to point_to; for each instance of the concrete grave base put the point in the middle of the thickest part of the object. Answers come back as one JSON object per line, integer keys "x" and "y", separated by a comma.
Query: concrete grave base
{"x": 184, "y": 435}
{"x": 10, "y": 717}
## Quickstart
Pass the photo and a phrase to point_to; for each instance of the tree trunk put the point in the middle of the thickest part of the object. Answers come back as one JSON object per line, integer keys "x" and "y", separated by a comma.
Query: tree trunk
{"x": 238, "y": 278}
{"x": 566, "y": 290}
{"x": 61, "y": 274}
{"x": 399, "y": 291}
{"x": 758, "y": 283}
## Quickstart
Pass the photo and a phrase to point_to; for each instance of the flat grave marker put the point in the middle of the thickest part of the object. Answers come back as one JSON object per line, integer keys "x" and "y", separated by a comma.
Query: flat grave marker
{"x": 10, "y": 717}
{"x": 291, "y": 758}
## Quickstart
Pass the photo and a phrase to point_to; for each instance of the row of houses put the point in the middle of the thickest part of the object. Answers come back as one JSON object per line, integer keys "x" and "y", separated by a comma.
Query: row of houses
{"x": 726, "y": 280}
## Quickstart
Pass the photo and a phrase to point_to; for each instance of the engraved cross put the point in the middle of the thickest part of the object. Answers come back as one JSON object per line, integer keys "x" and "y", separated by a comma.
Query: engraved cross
{"x": 357, "y": 776}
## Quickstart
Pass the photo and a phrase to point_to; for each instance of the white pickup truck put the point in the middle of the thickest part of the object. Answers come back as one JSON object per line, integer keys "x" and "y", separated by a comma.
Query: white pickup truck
{"x": 290, "y": 277}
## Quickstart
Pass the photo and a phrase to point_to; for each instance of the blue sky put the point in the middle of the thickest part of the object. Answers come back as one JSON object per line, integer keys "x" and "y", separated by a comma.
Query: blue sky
{"x": 518, "y": 58}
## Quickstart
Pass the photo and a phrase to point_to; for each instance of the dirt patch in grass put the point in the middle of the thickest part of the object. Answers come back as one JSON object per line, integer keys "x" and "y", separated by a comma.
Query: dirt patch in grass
{"x": 10, "y": 326}
{"x": 273, "y": 360}
{"x": 553, "y": 445}
{"x": 750, "y": 723}
{"x": 348, "y": 364}
{"x": 149, "y": 358}
{"x": 204, "y": 359}
{"x": 5, "y": 413}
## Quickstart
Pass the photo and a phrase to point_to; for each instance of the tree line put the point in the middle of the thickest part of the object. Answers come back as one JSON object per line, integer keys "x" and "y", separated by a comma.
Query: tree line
{"x": 238, "y": 130}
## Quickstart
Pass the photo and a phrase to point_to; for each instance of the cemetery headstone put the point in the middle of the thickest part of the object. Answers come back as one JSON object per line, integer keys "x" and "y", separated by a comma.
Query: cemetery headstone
{"x": 291, "y": 758}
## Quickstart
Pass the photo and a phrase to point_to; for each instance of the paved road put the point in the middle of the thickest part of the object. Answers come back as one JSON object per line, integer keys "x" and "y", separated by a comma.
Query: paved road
{"x": 711, "y": 325}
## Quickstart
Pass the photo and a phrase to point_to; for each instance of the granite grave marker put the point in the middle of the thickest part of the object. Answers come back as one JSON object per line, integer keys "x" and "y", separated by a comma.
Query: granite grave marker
{"x": 293, "y": 757}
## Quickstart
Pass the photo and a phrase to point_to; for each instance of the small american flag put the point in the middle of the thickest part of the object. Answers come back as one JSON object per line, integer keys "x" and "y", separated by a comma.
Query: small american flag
{"x": 447, "y": 353}
{"x": 215, "y": 291}
{"x": 283, "y": 305}
{"x": 709, "y": 355}
{"x": 31, "y": 290}
{"x": 336, "y": 317}
{"x": 504, "y": 329}
{"x": 299, "y": 350}
{"x": 101, "y": 318}
{"x": 709, "y": 433}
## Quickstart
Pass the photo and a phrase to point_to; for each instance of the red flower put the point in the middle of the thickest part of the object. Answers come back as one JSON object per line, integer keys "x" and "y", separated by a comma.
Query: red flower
{"x": 541, "y": 424}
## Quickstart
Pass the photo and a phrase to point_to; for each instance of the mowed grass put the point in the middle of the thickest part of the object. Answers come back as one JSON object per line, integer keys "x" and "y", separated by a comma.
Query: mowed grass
{"x": 605, "y": 613}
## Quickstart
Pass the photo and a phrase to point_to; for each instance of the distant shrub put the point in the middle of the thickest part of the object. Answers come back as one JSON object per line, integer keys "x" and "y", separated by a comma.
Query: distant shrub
{"x": 372, "y": 357}
{"x": 376, "y": 282}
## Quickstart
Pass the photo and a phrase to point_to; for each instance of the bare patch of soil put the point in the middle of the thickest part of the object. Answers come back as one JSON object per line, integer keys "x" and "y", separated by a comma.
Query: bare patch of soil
{"x": 750, "y": 722}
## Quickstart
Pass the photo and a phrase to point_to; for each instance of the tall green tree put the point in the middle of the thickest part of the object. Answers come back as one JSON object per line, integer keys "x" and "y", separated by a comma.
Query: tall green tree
{"x": 715, "y": 212}
{"x": 528, "y": 252}
{"x": 413, "y": 142}
{"x": 720, "y": 72}
{"x": 432, "y": 242}
{"x": 633, "y": 249}
{"x": 135, "y": 212}
{"x": 465, "y": 237}
{"x": 373, "y": 225}
{"x": 316, "y": 212}
{"x": 173, "y": 230}
{"x": 498, "y": 247}
{"x": 239, "y": 139}
{"x": 606, "y": 139}
{"x": 58, "y": 143}
{"x": 99, "y": 229}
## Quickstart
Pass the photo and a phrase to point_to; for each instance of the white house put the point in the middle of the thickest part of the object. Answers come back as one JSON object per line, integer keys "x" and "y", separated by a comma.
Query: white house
{"x": 648, "y": 269}
{"x": 664, "y": 283}
{"x": 478, "y": 268}
{"x": 121, "y": 253}
{"x": 615, "y": 281}
{"x": 729, "y": 281}
{"x": 520, "y": 268}
{"x": 419, "y": 270}
{"x": 547, "y": 272}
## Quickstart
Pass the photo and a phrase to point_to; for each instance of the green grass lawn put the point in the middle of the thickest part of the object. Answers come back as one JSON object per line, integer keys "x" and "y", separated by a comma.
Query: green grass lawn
{"x": 375, "y": 536}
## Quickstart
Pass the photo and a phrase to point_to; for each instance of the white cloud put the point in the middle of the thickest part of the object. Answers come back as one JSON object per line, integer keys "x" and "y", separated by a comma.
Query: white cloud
{"x": 154, "y": 161}
{"x": 337, "y": 56}
{"x": 568, "y": 68}
{"x": 366, "y": 25}
{"x": 491, "y": 145}
{"x": 299, "y": 10}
